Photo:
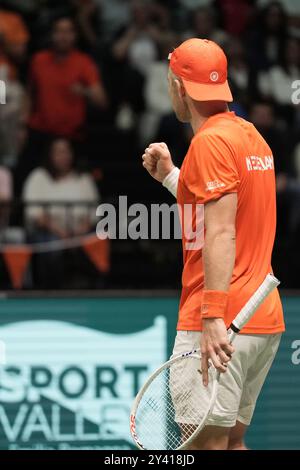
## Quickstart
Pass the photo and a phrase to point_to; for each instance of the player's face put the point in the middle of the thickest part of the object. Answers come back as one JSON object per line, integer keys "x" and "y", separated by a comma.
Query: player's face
{"x": 177, "y": 97}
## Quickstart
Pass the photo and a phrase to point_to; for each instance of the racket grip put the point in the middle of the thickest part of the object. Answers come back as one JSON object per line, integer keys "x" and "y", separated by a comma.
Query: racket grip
{"x": 254, "y": 302}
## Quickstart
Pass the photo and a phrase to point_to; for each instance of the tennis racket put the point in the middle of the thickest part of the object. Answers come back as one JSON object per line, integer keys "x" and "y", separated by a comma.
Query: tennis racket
{"x": 173, "y": 406}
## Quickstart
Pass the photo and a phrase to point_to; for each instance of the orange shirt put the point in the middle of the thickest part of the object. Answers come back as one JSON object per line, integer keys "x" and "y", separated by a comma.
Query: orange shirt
{"x": 56, "y": 108}
{"x": 229, "y": 155}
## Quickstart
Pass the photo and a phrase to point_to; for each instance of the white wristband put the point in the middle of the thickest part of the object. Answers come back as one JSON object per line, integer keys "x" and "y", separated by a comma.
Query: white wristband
{"x": 171, "y": 181}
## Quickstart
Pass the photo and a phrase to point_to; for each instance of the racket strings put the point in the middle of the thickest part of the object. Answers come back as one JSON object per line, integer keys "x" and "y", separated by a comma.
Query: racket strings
{"x": 173, "y": 406}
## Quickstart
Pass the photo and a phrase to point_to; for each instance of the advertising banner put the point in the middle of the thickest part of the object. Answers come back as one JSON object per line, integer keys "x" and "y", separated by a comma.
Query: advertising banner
{"x": 70, "y": 369}
{"x": 68, "y": 381}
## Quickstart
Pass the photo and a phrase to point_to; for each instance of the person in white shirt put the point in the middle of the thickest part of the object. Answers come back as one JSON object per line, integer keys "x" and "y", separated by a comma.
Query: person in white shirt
{"x": 278, "y": 81}
{"x": 69, "y": 197}
{"x": 60, "y": 203}
{"x": 292, "y": 7}
{"x": 157, "y": 100}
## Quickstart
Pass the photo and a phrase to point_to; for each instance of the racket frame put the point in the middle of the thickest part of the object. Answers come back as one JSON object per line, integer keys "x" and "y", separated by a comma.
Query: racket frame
{"x": 166, "y": 365}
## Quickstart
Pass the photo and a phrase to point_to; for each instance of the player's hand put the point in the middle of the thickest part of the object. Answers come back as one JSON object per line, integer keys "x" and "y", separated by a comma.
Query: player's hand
{"x": 214, "y": 346}
{"x": 158, "y": 161}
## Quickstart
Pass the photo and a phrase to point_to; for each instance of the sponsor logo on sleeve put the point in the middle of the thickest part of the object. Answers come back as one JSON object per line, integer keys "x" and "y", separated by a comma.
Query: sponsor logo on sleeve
{"x": 212, "y": 185}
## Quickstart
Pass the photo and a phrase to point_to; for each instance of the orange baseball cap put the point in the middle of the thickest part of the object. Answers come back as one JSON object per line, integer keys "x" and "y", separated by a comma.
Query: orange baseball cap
{"x": 202, "y": 66}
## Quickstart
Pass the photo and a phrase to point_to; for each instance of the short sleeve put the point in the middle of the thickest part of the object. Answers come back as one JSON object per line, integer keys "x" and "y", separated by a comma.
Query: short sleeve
{"x": 211, "y": 168}
{"x": 90, "y": 73}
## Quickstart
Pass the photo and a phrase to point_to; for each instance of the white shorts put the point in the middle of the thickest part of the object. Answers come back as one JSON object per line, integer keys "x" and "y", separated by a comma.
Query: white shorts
{"x": 240, "y": 385}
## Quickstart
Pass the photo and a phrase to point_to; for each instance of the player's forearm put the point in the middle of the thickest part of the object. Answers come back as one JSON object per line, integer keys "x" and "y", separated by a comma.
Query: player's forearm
{"x": 219, "y": 258}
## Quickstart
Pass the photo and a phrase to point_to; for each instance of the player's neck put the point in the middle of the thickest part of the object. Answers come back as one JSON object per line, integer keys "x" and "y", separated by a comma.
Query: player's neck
{"x": 201, "y": 112}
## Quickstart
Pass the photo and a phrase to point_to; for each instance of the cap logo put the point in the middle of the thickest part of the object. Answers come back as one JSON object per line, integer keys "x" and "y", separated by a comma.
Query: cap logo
{"x": 214, "y": 76}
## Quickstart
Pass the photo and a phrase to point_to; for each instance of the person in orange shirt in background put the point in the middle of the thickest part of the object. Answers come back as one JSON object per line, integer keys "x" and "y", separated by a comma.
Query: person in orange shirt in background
{"x": 14, "y": 38}
{"x": 227, "y": 177}
{"x": 62, "y": 80}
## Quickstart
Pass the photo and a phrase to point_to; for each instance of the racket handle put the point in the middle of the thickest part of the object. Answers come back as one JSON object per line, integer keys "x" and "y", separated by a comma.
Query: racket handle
{"x": 254, "y": 302}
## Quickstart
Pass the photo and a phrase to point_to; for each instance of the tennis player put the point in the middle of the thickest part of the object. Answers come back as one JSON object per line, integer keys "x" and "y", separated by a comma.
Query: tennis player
{"x": 228, "y": 171}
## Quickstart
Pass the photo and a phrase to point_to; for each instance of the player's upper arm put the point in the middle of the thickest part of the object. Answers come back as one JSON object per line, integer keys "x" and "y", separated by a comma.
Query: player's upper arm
{"x": 220, "y": 214}
{"x": 212, "y": 169}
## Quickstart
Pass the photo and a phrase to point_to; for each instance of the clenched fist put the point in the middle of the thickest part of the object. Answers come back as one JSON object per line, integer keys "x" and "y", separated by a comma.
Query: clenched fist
{"x": 158, "y": 161}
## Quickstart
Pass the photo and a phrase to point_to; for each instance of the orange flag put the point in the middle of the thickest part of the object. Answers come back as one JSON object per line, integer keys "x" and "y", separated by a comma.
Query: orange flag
{"x": 16, "y": 258}
{"x": 98, "y": 251}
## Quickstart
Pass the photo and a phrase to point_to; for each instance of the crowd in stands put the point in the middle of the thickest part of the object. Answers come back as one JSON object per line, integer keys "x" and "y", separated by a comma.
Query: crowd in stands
{"x": 86, "y": 91}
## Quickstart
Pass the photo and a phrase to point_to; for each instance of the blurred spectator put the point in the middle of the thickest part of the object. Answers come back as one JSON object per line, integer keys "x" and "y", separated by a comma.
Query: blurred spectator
{"x": 137, "y": 43}
{"x": 277, "y": 83}
{"x": 12, "y": 117}
{"x": 240, "y": 75}
{"x": 70, "y": 199}
{"x": 8, "y": 68}
{"x": 158, "y": 103}
{"x": 40, "y": 16}
{"x": 292, "y": 7}
{"x": 59, "y": 182}
{"x": 159, "y": 122}
{"x": 14, "y": 35}
{"x": 235, "y": 14}
{"x": 266, "y": 42}
{"x": 134, "y": 50}
{"x": 62, "y": 79}
{"x": 8, "y": 234}
{"x": 113, "y": 15}
{"x": 6, "y": 195}
{"x": 287, "y": 166}
{"x": 87, "y": 16}
{"x": 6, "y": 191}
{"x": 203, "y": 23}
{"x": 262, "y": 115}
{"x": 14, "y": 38}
